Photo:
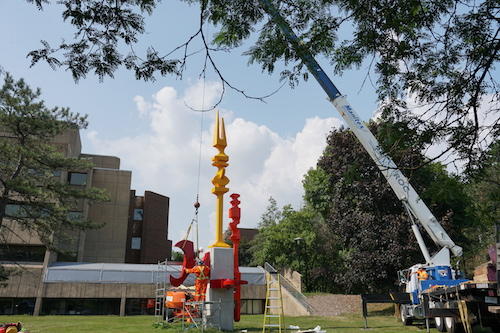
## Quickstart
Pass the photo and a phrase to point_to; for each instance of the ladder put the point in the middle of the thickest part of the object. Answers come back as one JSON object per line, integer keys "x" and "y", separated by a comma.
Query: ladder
{"x": 274, "y": 318}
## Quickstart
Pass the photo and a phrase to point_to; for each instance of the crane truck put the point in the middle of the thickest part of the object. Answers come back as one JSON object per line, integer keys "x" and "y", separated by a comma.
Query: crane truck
{"x": 438, "y": 266}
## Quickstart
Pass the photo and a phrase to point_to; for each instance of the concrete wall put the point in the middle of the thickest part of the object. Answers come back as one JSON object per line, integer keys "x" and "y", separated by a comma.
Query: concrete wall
{"x": 13, "y": 233}
{"x": 69, "y": 143}
{"x": 155, "y": 245}
{"x": 107, "y": 244}
{"x": 291, "y": 307}
{"x": 253, "y": 291}
{"x": 98, "y": 290}
{"x": 24, "y": 282}
{"x": 294, "y": 277}
{"x": 103, "y": 161}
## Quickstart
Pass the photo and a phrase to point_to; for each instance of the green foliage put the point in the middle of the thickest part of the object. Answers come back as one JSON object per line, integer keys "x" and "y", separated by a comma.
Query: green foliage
{"x": 484, "y": 188}
{"x": 272, "y": 215}
{"x": 356, "y": 233}
{"x": 32, "y": 195}
{"x": 299, "y": 241}
{"x": 369, "y": 221}
{"x": 440, "y": 53}
{"x": 252, "y": 323}
{"x": 177, "y": 256}
{"x": 317, "y": 190}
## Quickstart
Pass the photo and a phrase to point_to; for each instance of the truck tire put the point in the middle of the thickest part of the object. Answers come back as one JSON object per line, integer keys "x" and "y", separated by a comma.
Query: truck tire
{"x": 405, "y": 319}
{"x": 453, "y": 325}
{"x": 440, "y": 324}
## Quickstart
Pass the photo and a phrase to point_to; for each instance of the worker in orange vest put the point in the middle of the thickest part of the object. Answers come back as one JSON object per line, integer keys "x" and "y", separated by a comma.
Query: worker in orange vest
{"x": 202, "y": 273}
{"x": 422, "y": 274}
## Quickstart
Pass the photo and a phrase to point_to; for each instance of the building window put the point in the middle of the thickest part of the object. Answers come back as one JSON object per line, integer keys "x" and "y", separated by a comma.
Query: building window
{"x": 136, "y": 243}
{"x": 25, "y": 253}
{"x": 19, "y": 211}
{"x": 13, "y": 211}
{"x": 138, "y": 214}
{"x": 252, "y": 306}
{"x": 78, "y": 306}
{"x": 76, "y": 178}
{"x": 75, "y": 216}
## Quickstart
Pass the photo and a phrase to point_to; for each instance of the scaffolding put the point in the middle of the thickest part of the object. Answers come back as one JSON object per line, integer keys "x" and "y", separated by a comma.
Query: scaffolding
{"x": 160, "y": 278}
{"x": 200, "y": 315}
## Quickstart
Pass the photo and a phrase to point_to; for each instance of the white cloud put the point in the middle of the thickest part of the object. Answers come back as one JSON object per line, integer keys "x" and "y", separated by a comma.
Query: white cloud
{"x": 487, "y": 114}
{"x": 165, "y": 158}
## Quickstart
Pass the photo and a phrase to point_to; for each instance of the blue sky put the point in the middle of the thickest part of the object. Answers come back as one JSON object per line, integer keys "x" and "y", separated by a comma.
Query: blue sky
{"x": 272, "y": 143}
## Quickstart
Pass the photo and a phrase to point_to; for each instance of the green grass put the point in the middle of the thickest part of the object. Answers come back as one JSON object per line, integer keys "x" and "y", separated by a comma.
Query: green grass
{"x": 136, "y": 324}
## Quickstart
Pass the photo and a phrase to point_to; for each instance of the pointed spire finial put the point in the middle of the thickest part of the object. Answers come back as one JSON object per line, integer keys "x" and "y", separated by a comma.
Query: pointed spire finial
{"x": 219, "y": 132}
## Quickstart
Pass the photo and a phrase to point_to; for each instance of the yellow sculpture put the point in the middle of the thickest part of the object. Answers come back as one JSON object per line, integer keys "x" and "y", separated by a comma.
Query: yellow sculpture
{"x": 220, "y": 180}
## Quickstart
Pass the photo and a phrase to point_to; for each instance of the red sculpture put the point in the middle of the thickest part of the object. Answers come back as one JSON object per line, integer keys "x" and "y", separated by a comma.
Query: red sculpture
{"x": 235, "y": 214}
{"x": 187, "y": 247}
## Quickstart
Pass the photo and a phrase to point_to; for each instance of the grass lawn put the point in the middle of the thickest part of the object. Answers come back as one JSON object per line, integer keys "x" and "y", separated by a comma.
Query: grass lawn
{"x": 136, "y": 324}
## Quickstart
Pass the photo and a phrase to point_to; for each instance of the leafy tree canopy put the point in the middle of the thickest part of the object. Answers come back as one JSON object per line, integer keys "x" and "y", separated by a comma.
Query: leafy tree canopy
{"x": 33, "y": 199}
{"x": 440, "y": 54}
{"x": 371, "y": 227}
{"x": 300, "y": 241}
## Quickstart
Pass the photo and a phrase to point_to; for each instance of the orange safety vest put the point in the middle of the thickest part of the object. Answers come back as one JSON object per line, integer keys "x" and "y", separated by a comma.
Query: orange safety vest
{"x": 202, "y": 272}
{"x": 422, "y": 275}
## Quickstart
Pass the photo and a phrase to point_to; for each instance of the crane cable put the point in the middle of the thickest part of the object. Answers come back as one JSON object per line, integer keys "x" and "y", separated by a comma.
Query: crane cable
{"x": 197, "y": 203}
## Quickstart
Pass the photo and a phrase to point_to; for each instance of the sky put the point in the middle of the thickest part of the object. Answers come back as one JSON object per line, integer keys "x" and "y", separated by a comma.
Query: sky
{"x": 149, "y": 127}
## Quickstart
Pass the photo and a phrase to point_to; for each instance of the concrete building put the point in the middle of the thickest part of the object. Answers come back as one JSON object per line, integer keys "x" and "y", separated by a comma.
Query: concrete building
{"x": 134, "y": 228}
{"x": 147, "y": 229}
{"x": 110, "y": 270}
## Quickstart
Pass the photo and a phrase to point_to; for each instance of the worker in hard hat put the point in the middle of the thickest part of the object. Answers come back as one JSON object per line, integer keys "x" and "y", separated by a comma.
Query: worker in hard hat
{"x": 202, "y": 273}
{"x": 422, "y": 274}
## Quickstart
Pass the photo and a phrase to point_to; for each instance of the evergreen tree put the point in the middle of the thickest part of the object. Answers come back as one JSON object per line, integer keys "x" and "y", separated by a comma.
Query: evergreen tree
{"x": 33, "y": 199}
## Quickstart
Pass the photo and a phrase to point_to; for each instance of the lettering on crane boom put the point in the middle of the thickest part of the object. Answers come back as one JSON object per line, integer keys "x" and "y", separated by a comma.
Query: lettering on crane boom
{"x": 386, "y": 163}
{"x": 354, "y": 116}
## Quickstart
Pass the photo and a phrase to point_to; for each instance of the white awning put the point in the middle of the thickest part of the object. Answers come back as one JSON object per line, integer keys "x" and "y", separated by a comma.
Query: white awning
{"x": 131, "y": 273}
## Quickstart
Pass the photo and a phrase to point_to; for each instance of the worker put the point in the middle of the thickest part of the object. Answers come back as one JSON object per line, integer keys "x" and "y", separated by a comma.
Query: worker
{"x": 202, "y": 273}
{"x": 422, "y": 274}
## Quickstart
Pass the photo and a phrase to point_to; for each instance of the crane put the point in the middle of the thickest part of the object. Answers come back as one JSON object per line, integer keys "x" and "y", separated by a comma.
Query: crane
{"x": 439, "y": 265}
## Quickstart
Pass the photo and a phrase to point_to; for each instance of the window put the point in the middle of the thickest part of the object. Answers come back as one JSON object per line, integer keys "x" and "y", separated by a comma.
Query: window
{"x": 26, "y": 253}
{"x": 13, "y": 210}
{"x": 19, "y": 211}
{"x": 75, "y": 216}
{"x": 138, "y": 214}
{"x": 75, "y": 178}
{"x": 252, "y": 306}
{"x": 136, "y": 243}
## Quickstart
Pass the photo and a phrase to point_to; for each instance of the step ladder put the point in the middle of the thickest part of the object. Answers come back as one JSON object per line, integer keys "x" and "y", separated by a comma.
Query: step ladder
{"x": 274, "y": 318}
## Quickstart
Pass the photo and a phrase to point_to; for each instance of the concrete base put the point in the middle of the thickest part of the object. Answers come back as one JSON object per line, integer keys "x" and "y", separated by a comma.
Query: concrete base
{"x": 221, "y": 267}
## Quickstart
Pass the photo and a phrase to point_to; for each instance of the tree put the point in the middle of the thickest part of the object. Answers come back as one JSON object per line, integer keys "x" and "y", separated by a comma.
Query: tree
{"x": 33, "y": 199}
{"x": 371, "y": 227}
{"x": 272, "y": 215}
{"x": 313, "y": 256}
{"x": 484, "y": 188}
{"x": 177, "y": 256}
{"x": 439, "y": 54}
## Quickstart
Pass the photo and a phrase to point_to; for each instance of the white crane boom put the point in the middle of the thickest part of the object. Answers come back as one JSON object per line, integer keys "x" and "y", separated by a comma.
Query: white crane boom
{"x": 399, "y": 183}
